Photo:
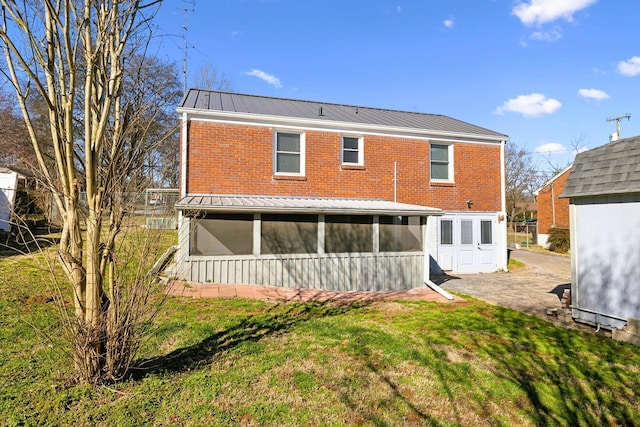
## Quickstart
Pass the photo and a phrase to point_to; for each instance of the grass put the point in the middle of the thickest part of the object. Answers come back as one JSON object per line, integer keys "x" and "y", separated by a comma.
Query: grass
{"x": 244, "y": 362}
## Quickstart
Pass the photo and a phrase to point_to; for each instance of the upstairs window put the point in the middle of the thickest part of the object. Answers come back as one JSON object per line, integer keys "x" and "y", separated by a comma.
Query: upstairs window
{"x": 441, "y": 162}
{"x": 289, "y": 153}
{"x": 352, "y": 153}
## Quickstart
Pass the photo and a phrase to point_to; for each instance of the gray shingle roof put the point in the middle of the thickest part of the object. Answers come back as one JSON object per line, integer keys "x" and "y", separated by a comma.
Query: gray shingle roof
{"x": 205, "y": 100}
{"x": 611, "y": 169}
{"x": 317, "y": 205}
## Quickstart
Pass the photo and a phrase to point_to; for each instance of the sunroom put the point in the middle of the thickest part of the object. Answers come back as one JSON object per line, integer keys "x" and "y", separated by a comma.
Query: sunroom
{"x": 313, "y": 243}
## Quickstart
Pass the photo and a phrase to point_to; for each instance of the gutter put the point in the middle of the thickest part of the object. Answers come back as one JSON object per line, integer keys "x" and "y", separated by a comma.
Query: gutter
{"x": 302, "y": 210}
{"x": 184, "y": 138}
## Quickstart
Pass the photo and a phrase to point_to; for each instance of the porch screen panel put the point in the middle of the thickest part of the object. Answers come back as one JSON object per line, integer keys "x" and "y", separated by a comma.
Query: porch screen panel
{"x": 348, "y": 233}
{"x": 222, "y": 235}
{"x": 289, "y": 234}
{"x": 401, "y": 233}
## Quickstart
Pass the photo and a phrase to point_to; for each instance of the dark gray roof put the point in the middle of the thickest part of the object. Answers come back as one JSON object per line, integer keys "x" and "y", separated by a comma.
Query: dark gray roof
{"x": 316, "y": 205}
{"x": 205, "y": 100}
{"x": 611, "y": 169}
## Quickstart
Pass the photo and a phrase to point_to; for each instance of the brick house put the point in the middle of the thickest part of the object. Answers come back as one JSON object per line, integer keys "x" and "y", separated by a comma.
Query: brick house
{"x": 309, "y": 194}
{"x": 553, "y": 211}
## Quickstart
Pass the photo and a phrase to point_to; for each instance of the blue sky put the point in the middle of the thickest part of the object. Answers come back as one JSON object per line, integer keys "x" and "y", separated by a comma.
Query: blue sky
{"x": 548, "y": 73}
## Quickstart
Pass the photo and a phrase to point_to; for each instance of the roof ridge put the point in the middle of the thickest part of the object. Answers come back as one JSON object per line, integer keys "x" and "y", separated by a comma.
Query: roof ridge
{"x": 308, "y": 101}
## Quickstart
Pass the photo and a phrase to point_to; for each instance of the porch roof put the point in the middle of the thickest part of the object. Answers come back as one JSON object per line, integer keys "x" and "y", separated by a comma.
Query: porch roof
{"x": 316, "y": 205}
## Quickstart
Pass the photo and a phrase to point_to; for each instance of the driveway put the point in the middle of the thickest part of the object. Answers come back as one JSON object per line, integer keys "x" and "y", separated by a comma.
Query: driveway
{"x": 534, "y": 288}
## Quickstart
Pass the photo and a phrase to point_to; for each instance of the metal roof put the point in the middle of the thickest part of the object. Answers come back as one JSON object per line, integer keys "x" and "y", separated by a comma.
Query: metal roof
{"x": 212, "y": 101}
{"x": 611, "y": 169}
{"x": 307, "y": 205}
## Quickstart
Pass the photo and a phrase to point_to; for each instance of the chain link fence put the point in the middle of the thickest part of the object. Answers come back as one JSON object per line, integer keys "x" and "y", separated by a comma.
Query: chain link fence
{"x": 522, "y": 233}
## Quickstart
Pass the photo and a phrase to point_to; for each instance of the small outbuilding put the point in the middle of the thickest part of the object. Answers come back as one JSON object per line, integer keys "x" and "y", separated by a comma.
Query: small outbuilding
{"x": 8, "y": 187}
{"x": 603, "y": 189}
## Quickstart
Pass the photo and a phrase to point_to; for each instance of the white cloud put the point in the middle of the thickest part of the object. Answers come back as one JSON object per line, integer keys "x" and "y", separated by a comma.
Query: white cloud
{"x": 551, "y": 148}
{"x": 269, "y": 78}
{"x": 531, "y": 105}
{"x": 630, "y": 67}
{"x": 547, "y": 36}
{"x": 537, "y": 12}
{"x": 581, "y": 149}
{"x": 592, "y": 93}
{"x": 449, "y": 23}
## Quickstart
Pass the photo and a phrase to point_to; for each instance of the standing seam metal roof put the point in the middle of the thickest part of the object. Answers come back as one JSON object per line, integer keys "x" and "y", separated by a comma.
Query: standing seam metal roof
{"x": 252, "y": 104}
{"x": 611, "y": 169}
{"x": 280, "y": 204}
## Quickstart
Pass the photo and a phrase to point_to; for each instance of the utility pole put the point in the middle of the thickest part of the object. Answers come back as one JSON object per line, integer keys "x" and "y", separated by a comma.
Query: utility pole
{"x": 616, "y": 136}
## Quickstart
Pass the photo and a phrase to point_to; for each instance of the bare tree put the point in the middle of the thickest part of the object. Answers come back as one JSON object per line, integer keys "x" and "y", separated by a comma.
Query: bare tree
{"x": 71, "y": 57}
{"x": 522, "y": 177}
{"x": 577, "y": 145}
{"x": 209, "y": 78}
{"x": 14, "y": 144}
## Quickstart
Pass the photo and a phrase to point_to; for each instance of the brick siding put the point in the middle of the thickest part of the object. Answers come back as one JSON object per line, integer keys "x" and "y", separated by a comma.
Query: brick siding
{"x": 546, "y": 208}
{"x": 238, "y": 159}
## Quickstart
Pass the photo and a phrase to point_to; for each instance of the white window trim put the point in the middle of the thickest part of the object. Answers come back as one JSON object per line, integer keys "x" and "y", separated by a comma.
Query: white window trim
{"x": 450, "y": 165}
{"x": 302, "y": 152}
{"x": 360, "y": 139}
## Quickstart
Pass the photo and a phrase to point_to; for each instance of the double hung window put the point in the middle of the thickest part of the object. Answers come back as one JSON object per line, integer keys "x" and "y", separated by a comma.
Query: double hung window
{"x": 352, "y": 153}
{"x": 289, "y": 153}
{"x": 442, "y": 162}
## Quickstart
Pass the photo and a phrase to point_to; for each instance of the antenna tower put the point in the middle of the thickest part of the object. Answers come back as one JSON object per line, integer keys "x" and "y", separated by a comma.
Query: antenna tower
{"x": 192, "y": 3}
{"x": 616, "y": 136}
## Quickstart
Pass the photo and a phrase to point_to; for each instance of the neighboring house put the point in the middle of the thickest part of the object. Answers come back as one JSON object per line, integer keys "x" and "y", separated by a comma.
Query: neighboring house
{"x": 553, "y": 211}
{"x": 604, "y": 195}
{"x": 526, "y": 210}
{"x": 8, "y": 188}
{"x": 308, "y": 194}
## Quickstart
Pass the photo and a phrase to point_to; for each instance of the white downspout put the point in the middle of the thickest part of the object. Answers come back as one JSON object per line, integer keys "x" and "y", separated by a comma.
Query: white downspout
{"x": 553, "y": 206}
{"x": 184, "y": 139}
{"x": 184, "y": 225}
{"x": 502, "y": 247}
{"x": 426, "y": 259}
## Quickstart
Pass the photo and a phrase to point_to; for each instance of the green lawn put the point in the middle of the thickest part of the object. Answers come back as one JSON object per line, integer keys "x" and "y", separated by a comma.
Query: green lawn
{"x": 240, "y": 362}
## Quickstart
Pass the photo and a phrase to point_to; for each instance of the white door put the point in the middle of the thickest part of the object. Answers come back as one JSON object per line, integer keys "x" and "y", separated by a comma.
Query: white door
{"x": 476, "y": 245}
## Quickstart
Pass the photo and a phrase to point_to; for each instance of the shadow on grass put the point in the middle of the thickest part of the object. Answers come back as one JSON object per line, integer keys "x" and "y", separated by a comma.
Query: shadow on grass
{"x": 565, "y": 382}
{"x": 550, "y": 375}
{"x": 27, "y": 239}
{"x": 279, "y": 318}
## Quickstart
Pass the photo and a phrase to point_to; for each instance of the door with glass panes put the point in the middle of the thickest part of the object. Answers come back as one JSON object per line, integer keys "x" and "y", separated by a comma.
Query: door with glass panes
{"x": 467, "y": 243}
